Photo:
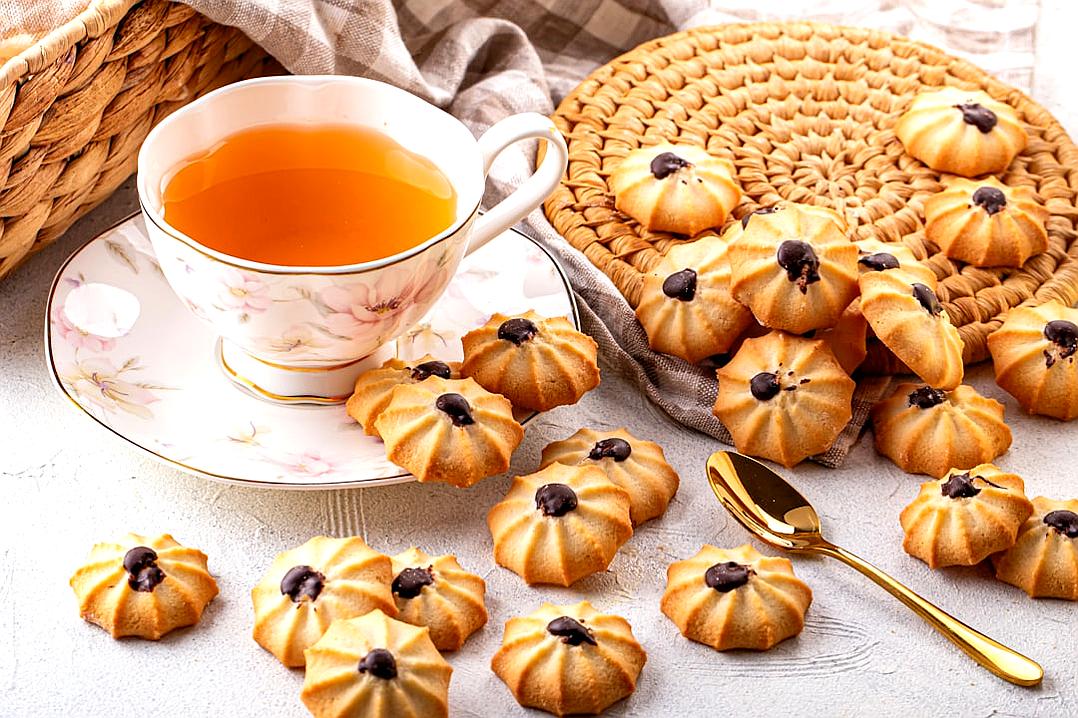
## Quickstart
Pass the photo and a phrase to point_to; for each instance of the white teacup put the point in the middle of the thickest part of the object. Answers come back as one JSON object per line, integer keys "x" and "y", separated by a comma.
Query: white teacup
{"x": 304, "y": 333}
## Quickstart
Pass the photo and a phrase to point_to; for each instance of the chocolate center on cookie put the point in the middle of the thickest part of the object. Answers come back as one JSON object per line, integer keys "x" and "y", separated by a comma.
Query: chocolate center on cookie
{"x": 571, "y": 631}
{"x": 429, "y": 369}
{"x": 380, "y": 663}
{"x": 764, "y": 385}
{"x": 800, "y": 262}
{"x": 411, "y": 581}
{"x": 763, "y": 210}
{"x": 456, "y": 407}
{"x": 959, "y": 486}
{"x": 927, "y": 299}
{"x": 667, "y": 164}
{"x": 681, "y": 285}
{"x": 613, "y": 448}
{"x": 879, "y": 261}
{"x": 727, "y": 576}
{"x": 926, "y": 397}
{"x": 1064, "y": 335}
{"x": 555, "y": 499}
{"x": 143, "y": 574}
{"x": 517, "y": 330}
{"x": 302, "y": 583}
{"x": 990, "y": 198}
{"x": 979, "y": 116}
{"x": 1063, "y": 521}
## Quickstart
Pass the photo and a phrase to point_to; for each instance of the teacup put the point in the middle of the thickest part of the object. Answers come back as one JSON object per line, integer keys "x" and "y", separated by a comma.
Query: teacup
{"x": 304, "y": 333}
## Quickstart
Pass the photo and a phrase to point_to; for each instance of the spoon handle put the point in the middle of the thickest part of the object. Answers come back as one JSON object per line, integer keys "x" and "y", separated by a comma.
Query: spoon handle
{"x": 1004, "y": 662}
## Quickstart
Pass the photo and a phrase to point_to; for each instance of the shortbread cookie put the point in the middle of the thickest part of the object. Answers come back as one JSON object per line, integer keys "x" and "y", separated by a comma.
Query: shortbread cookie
{"x": 876, "y": 256}
{"x": 635, "y": 465}
{"x": 309, "y": 587}
{"x": 931, "y": 431}
{"x": 685, "y": 304}
{"x": 452, "y": 431}
{"x": 964, "y": 132}
{"x": 986, "y": 223}
{"x": 560, "y": 524}
{"x": 794, "y": 268}
{"x": 735, "y": 598}
{"x": 533, "y": 362}
{"x": 675, "y": 188}
{"x": 1034, "y": 358}
{"x": 375, "y": 387}
{"x": 375, "y": 667}
{"x": 1044, "y": 559}
{"x": 848, "y": 339}
{"x": 965, "y": 517}
{"x": 143, "y": 586}
{"x": 434, "y": 591}
{"x": 569, "y": 659}
{"x": 784, "y": 398}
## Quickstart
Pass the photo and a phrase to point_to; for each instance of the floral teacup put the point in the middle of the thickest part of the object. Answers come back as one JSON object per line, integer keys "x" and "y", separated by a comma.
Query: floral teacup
{"x": 305, "y": 333}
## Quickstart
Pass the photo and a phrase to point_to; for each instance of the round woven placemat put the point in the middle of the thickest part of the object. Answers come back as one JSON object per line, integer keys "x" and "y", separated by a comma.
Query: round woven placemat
{"x": 806, "y": 112}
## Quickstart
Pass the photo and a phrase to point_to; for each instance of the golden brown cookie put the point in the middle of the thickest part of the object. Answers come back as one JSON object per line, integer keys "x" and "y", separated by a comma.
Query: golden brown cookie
{"x": 675, "y": 188}
{"x": 375, "y": 387}
{"x": 309, "y": 587}
{"x": 784, "y": 398}
{"x": 560, "y": 524}
{"x": 569, "y": 659}
{"x": 143, "y": 586}
{"x": 986, "y": 223}
{"x": 533, "y": 362}
{"x": 685, "y": 304}
{"x": 876, "y": 256}
{"x": 1034, "y": 358}
{"x": 452, "y": 431}
{"x": 434, "y": 591}
{"x": 964, "y": 132}
{"x": 931, "y": 431}
{"x": 965, "y": 517}
{"x": 375, "y": 667}
{"x": 1044, "y": 559}
{"x": 735, "y": 598}
{"x": 635, "y": 465}
{"x": 848, "y": 339}
{"x": 907, "y": 317}
{"x": 794, "y": 267}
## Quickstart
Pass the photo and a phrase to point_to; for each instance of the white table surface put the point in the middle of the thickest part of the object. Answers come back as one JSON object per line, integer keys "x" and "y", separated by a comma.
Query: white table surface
{"x": 66, "y": 484}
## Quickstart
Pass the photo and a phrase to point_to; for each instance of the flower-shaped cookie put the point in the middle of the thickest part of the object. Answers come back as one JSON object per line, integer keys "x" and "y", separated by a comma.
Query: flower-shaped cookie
{"x": 374, "y": 388}
{"x": 1044, "y": 559}
{"x": 434, "y": 591}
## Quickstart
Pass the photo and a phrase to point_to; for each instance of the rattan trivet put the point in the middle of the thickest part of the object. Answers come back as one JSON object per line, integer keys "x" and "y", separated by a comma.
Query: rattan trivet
{"x": 806, "y": 113}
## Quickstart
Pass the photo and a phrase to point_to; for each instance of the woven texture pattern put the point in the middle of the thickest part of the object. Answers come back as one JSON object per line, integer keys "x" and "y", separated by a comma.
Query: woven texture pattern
{"x": 806, "y": 112}
{"x": 75, "y": 107}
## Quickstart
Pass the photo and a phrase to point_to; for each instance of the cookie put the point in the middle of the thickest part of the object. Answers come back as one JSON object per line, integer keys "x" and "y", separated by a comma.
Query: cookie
{"x": 434, "y": 591}
{"x": 986, "y": 223}
{"x": 964, "y": 132}
{"x": 931, "y": 431}
{"x": 1033, "y": 355}
{"x": 533, "y": 362}
{"x": 309, "y": 587}
{"x": 569, "y": 659}
{"x": 876, "y": 256}
{"x": 685, "y": 304}
{"x": 1044, "y": 559}
{"x": 675, "y": 188}
{"x": 965, "y": 517}
{"x": 376, "y": 667}
{"x": 784, "y": 398}
{"x": 735, "y": 598}
{"x": 451, "y": 431}
{"x": 848, "y": 339}
{"x": 143, "y": 586}
{"x": 375, "y": 387}
{"x": 560, "y": 524}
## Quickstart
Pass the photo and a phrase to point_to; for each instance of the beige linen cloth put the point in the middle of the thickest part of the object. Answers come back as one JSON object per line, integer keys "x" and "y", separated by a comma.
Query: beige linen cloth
{"x": 482, "y": 60}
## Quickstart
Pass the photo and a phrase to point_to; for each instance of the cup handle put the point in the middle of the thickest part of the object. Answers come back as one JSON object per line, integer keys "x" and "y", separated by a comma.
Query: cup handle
{"x": 535, "y": 189}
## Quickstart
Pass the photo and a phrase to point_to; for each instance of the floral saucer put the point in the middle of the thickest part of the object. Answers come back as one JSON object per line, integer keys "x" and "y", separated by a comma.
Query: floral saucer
{"x": 124, "y": 350}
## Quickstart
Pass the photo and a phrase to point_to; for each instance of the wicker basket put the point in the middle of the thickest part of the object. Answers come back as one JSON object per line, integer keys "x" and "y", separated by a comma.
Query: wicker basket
{"x": 75, "y": 107}
{"x": 806, "y": 112}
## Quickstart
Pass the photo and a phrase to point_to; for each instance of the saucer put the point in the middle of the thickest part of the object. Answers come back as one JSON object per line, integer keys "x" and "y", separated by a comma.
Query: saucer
{"x": 126, "y": 352}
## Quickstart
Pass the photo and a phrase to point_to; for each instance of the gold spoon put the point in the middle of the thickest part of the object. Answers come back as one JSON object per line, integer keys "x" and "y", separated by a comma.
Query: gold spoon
{"x": 769, "y": 507}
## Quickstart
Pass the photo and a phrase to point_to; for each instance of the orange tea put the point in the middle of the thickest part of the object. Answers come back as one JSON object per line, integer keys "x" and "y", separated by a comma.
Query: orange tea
{"x": 309, "y": 195}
